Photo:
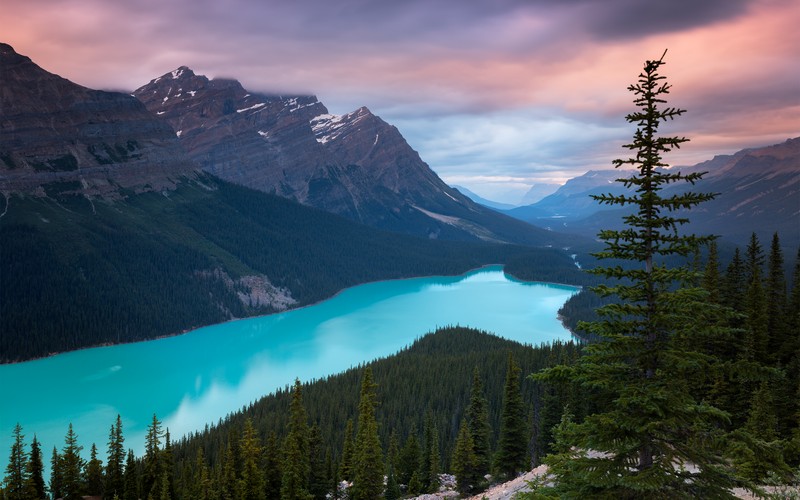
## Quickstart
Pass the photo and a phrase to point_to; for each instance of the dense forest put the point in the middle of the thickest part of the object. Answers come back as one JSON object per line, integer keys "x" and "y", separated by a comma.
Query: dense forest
{"x": 157, "y": 264}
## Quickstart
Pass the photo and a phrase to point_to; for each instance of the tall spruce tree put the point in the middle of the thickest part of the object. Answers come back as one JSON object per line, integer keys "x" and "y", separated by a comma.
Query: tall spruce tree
{"x": 17, "y": 469}
{"x": 272, "y": 467}
{"x": 115, "y": 482}
{"x": 131, "y": 478}
{"x": 654, "y": 428}
{"x": 71, "y": 465}
{"x": 477, "y": 419}
{"x": 36, "y": 486}
{"x": 252, "y": 485}
{"x": 465, "y": 461}
{"x": 56, "y": 476}
{"x": 151, "y": 477}
{"x": 294, "y": 483}
{"x": 94, "y": 473}
{"x": 512, "y": 445}
{"x": 368, "y": 467}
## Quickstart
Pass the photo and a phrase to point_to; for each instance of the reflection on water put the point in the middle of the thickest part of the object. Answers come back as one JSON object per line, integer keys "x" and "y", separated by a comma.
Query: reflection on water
{"x": 197, "y": 378}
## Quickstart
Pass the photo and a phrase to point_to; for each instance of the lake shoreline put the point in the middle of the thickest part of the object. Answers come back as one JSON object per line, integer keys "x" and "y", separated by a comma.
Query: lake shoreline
{"x": 195, "y": 328}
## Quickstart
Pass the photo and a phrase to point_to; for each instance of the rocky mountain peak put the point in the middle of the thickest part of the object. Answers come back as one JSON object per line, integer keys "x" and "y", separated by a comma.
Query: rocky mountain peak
{"x": 55, "y": 131}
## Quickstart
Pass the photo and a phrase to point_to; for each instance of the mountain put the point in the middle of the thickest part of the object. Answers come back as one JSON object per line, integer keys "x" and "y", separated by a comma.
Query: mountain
{"x": 571, "y": 201}
{"x": 89, "y": 141}
{"x": 355, "y": 165}
{"x": 111, "y": 233}
{"x": 758, "y": 190}
{"x": 537, "y": 192}
{"x": 483, "y": 201}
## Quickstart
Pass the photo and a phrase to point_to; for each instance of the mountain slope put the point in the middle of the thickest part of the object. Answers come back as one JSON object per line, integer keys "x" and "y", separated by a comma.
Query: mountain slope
{"x": 758, "y": 190}
{"x": 355, "y": 165}
{"x": 56, "y": 131}
{"x": 79, "y": 273}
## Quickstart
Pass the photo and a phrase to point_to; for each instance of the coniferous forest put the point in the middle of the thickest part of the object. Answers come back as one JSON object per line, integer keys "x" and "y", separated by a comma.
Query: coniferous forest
{"x": 687, "y": 385}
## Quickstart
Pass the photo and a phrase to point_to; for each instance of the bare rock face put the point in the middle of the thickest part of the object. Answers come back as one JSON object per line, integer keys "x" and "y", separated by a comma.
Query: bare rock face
{"x": 54, "y": 130}
{"x": 355, "y": 165}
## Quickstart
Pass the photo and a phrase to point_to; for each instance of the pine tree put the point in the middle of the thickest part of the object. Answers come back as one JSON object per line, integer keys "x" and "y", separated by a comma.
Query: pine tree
{"x": 16, "y": 478}
{"x": 294, "y": 483}
{"x": 777, "y": 303}
{"x": 167, "y": 468}
{"x": 410, "y": 459}
{"x": 152, "y": 459}
{"x": 428, "y": 471}
{"x": 131, "y": 478}
{"x": 71, "y": 465}
{"x": 654, "y": 426}
{"x": 465, "y": 461}
{"x": 318, "y": 480}
{"x": 272, "y": 467}
{"x": 477, "y": 415}
{"x": 56, "y": 476}
{"x": 94, "y": 473}
{"x": 115, "y": 483}
{"x": 253, "y": 485}
{"x": 36, "y": 487}
{"x": 512, "y": 443}
{"x": 348, "y": 451}
{"x": 368, "y": 464}
{"x": 734, "y": 283}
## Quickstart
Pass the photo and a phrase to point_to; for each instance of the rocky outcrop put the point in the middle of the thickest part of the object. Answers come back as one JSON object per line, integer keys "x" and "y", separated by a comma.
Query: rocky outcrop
{"x": 355, "y": 165}
{"x": 54, "y": 130}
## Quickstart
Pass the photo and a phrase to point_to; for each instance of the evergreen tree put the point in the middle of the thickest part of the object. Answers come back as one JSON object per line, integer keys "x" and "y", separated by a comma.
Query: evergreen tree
{"x": 294, "y": 483}
{"x": 465, "y": 462}
{"x": 253, "y": 485}
{"x": 348, "y": 451}
{"x": 152, "y": 473}
{"x": 131, "y": 478}
{"x": 756, "y": 322}
{"x": 512, "y": 444}
{"x": 392, "y": 488}
{"x": 56, "y": 476}
{"x": 167, "y": 468}
{"x": 368, "y": 467}
{"x": 115, "y": 482}
{"x": 654, "y": 426}
{"x": 36, "y": 487}
{"x": 711, "y": 279}
{"x": 71, "y": 465}
{"x": 16, "y": 478}
{"x": 735, "y": 283}
{"x": 318, "y": 480}
{"x": 272, "y": 467}
{"x": 428, "y": 466}
{"x": 477, "y": 415}
{"x": 777, "y": 304}
{"x": 94, "y": 473}
{"x": 410, "y": 459}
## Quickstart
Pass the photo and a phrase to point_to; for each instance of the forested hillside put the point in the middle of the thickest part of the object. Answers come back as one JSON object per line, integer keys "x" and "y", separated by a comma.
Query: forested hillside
{"x": 157, "y": 264}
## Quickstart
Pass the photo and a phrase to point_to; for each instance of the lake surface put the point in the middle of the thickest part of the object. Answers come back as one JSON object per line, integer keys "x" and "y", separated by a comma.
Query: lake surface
{"x": 197, "y": 378}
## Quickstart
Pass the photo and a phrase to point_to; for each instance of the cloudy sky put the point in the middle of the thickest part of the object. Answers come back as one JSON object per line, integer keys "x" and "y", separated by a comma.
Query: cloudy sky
{"x": 496, "y": 95}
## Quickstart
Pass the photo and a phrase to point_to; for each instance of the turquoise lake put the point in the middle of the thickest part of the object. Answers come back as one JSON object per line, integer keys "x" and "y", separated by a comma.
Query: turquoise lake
{"x": 199, "y": 377}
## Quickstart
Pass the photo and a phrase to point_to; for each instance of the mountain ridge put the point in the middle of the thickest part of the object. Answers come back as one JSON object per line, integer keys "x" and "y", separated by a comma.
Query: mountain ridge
{"x": 355, "y": 165}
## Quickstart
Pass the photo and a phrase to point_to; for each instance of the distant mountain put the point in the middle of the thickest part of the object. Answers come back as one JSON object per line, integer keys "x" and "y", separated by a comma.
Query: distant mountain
{"x": 90, "y": 141}
{"x": 355, "y": 165}
{"x": 571, "y": 201}
{"x": 537, "y": 192}
{"x": 758, "y": 190}
{"x": 483, "y": 201}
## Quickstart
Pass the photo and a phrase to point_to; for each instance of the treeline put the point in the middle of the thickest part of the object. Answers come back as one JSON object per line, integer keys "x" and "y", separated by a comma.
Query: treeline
{"x": 78, "y": 273}
{"x": 454, "y": 401}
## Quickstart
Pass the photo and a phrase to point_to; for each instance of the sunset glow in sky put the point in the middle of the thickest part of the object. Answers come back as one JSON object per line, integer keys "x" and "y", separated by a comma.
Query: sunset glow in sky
{"x": 496, "y": 95}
